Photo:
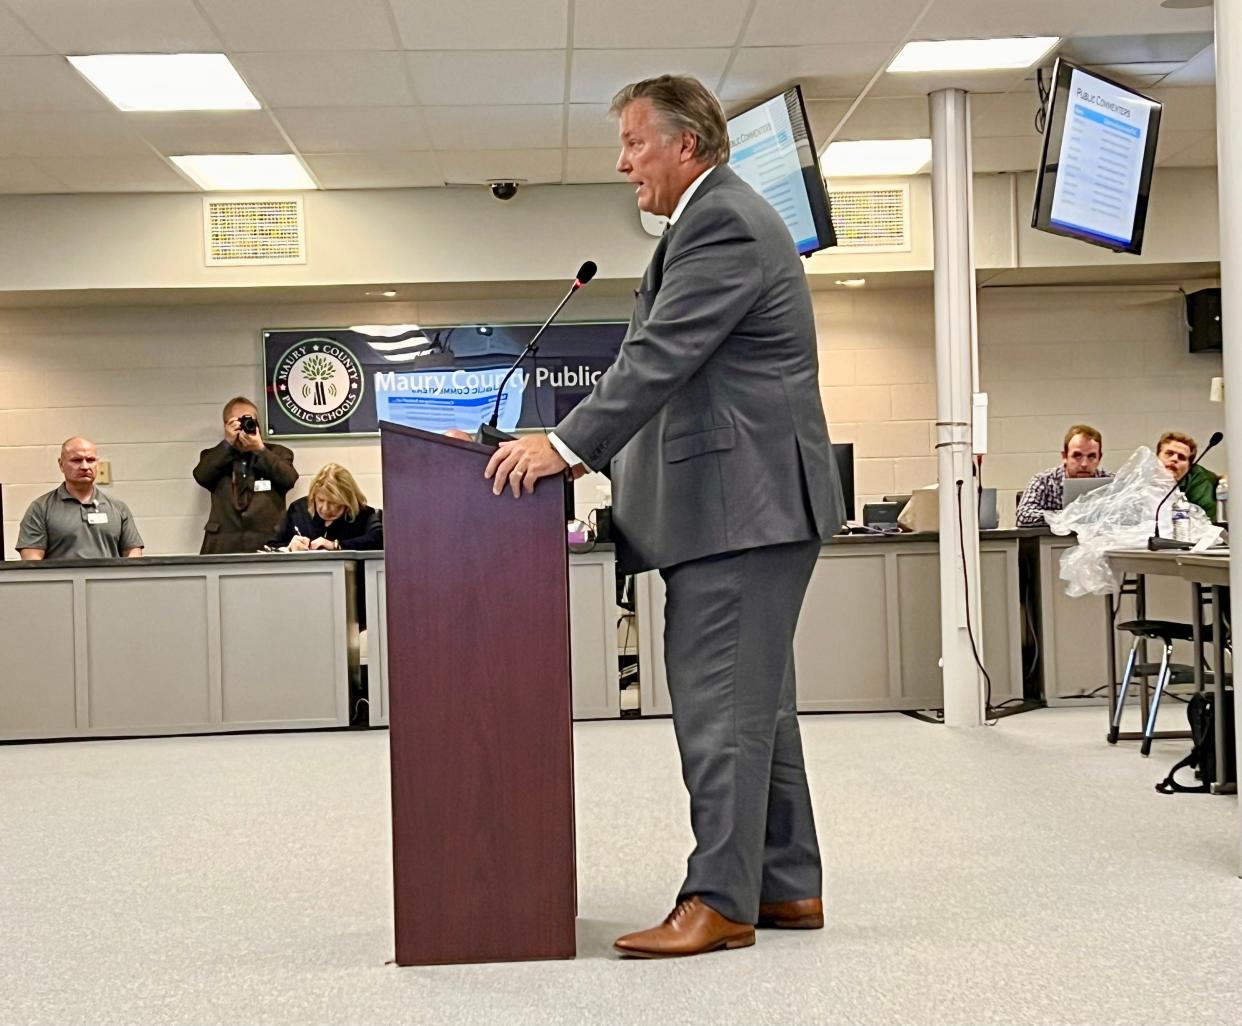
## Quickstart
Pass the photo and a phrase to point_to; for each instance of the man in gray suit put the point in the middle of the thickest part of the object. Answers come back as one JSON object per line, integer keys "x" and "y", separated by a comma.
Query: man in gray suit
{"x": 711, "y": 427}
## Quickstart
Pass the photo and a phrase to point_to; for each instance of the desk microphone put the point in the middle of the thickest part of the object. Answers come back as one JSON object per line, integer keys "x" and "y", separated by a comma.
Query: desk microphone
{"x": 488, "y": 433}
{"x": 1155, "y": 542}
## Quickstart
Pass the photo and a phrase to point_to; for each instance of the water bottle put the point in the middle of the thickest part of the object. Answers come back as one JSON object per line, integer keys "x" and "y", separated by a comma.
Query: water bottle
{"x": 1181, "y": 518}
{"x": 1222, "y": 503}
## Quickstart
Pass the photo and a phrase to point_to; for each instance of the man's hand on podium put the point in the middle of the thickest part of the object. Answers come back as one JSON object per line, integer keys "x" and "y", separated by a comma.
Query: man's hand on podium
{"x": 522, "y": 462}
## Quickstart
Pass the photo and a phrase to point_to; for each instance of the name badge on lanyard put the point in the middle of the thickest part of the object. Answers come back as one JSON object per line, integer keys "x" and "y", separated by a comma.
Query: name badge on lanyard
{"x": 97, "y": 518}
{"x": 262, "y": 485}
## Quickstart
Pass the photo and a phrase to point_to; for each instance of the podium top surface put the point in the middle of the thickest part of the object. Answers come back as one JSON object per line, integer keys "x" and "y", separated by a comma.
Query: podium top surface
{"x": 387, "y": 427}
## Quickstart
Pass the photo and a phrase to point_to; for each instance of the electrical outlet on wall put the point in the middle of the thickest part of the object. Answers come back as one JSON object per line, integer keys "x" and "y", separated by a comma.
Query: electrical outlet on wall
{"x": 103, "y": 472}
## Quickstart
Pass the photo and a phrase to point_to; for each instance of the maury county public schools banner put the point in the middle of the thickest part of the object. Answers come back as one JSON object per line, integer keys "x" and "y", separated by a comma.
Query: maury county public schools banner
{"x": 344, "y": 381}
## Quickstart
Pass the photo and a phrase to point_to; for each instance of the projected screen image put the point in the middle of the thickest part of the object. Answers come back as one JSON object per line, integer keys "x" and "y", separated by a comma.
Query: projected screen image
{"x": 345, "y": 381}
{"x": 1099, "y": 149}
{"x": 765, "y": 155}
{"x": 772, "y": 151}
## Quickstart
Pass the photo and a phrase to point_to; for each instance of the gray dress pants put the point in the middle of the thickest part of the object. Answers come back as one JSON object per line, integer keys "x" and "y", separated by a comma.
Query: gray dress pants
{"x": 729, "y": 623}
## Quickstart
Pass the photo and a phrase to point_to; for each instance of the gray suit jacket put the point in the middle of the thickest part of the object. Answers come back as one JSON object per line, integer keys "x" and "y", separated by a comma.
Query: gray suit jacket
{"x": 711, "y": 416}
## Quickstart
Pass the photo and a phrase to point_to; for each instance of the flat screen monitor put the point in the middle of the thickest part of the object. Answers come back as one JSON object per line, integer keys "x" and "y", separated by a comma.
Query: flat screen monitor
{"x": 1099, "y": 151}
{"x": 843, "y": 453}
{"x": 773, "y": 152}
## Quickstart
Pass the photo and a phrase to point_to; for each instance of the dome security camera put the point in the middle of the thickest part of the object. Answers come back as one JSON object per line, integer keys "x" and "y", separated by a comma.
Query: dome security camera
{"x": 504, "y": 190}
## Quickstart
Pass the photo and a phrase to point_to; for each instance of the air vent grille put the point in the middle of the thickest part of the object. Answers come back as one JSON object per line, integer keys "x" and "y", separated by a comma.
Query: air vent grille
{"x": 259, "y": 230}
{"x": 872, "y": 219}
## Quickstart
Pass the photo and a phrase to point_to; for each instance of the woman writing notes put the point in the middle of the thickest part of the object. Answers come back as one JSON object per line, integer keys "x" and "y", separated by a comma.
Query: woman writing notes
{"x": 333, "y": 516}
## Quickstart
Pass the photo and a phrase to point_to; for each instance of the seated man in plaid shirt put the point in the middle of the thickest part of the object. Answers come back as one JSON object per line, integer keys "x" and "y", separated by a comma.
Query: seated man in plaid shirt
{"x": 1080, "y": 457}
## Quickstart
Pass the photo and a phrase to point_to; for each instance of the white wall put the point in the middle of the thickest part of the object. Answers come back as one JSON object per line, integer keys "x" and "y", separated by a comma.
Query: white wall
{"x": 147, "y": 383}
{"x": 1114, "y": 357}
{"x": 432, "y": 236}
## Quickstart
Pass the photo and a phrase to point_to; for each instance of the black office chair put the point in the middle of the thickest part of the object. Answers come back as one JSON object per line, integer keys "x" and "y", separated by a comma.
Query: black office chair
{"x": 1166, "y": 674}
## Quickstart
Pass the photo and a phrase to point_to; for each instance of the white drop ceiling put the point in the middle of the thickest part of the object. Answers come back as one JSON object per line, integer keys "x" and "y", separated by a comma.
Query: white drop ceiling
{"x": 410, "y": 93}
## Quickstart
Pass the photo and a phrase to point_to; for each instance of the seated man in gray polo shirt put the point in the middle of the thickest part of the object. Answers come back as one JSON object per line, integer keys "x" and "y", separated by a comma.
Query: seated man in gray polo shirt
{"x": 77, "y": 520}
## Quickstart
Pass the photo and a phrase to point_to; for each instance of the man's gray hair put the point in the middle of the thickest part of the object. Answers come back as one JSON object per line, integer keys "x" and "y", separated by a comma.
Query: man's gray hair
{"x": 686, "y": 105}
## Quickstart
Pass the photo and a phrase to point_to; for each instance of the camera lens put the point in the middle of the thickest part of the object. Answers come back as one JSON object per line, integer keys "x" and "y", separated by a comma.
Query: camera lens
{"x": 248, "y": 424}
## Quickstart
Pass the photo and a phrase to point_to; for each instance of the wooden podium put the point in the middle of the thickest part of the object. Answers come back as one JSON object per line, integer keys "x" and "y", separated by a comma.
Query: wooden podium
{"x": 480, "y": 728}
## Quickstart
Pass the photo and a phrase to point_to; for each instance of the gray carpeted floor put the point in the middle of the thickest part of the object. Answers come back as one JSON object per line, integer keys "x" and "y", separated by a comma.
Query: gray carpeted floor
{"x": 1025, "y": 873}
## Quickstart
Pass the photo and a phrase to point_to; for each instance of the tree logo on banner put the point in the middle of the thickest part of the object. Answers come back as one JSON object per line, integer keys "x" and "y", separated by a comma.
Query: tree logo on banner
{"x": 318, "y": 383}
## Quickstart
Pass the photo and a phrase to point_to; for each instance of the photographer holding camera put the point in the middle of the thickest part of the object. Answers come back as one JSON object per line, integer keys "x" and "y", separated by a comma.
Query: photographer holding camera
{"x": 248, "y": 480}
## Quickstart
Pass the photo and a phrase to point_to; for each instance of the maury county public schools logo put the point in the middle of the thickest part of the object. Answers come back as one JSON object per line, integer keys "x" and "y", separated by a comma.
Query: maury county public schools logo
{"x": 318, "y": 382}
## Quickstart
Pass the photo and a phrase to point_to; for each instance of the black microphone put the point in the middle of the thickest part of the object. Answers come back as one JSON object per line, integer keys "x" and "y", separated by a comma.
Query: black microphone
{"x": 488, "y": 433}
{"x": 1155, "y": 542}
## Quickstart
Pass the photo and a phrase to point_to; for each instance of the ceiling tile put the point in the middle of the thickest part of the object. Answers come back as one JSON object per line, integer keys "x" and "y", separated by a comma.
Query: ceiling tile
{"x": 326, "y": 79}
{"x": 885, "y": 118}
{"x": 217, "y": 131}
{"x": 391, "y": 170}
{"x": 807, "y": 22}
{"x": 45, "y": 83}
{"x": 1004, "y": 114}
{"x": 1104, "y": 19}
{"x": 14, "y": 38}
{"x": 822, "y": 71}
{"x": 646, "y": 24}
{"x": 598, "y": 74}
{"x": 118, "y": 26}
{"x": 72, "y": 133}
{"x": 355, "y": 129}
{"x": 590, "y": 126}
{"x": 115, "y": 174}
{"x": 18, "y": 174}
{"x": 466, "y": 77}
{"x": 824, "y": 115}
{"x": 481, "y": 24}
{"x": 1171, "y": 47}
{"x": 922, "y": 85}
{"x": 592, "y": 165}
{"x": 970, "y": 19}
{"x": 1200, "y": 70}
{"x": 511, "y": 128}
{"x": 532, "y": 166}
{"x": 274, "y": 26}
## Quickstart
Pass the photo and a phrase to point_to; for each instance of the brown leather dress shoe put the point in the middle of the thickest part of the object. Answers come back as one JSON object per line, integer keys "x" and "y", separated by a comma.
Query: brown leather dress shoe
{"x": 692, "y": 928}
{"x": 805, "y": 914}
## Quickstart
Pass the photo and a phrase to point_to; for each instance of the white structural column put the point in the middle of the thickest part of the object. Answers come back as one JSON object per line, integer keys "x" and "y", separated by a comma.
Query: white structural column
{"x": 954, "y": 279}
{"x": 1229, "y": 167}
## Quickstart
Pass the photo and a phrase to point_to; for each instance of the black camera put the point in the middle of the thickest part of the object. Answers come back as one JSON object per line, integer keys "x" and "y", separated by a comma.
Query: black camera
{"x": 248, "y": 425}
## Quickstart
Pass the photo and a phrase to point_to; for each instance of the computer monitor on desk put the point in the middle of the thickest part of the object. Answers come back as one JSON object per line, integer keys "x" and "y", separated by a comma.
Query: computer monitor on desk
{"x": 843, "y": 453}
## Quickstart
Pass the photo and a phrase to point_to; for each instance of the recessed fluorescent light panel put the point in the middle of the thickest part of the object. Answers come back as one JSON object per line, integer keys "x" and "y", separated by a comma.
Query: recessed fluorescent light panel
{"x": 167, "y": 81}
{"x": 876, "y": 158}
{"x": 232, "y": 172}
{"x": 972, "y": 54}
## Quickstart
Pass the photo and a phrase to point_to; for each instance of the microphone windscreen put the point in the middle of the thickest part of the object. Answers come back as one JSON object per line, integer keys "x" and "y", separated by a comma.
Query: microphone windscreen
{"x": 1216, "y": 439}
{"x": 586, "y": 272}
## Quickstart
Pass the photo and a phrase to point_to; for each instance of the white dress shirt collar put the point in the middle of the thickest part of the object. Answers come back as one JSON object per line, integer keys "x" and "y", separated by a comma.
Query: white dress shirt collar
{"x": 685, "y": 196}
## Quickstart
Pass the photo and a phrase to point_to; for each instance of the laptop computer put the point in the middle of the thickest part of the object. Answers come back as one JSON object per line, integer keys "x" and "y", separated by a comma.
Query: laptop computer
{"x": 1076, "y": 487}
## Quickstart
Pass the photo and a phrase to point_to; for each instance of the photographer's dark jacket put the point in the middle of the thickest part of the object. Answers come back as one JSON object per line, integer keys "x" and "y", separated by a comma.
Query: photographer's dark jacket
{"x": 243, "y": 518}
{"x": 365, "y": 531}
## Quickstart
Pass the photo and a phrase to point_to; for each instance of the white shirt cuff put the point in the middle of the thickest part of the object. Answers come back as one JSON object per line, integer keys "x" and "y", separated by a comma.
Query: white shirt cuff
{"x": 563, "y": 450}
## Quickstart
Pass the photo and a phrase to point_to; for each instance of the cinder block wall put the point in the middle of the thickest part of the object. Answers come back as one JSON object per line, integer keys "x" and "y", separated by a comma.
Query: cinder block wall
{"x": 147, "y": 383}
{"x": 1114, "y": 357}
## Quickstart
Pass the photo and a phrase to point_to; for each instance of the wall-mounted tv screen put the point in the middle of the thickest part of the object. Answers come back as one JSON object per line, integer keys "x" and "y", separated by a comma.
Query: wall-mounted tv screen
{"x": 1099, "y": 150}
{"x": 773, "y": 152}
